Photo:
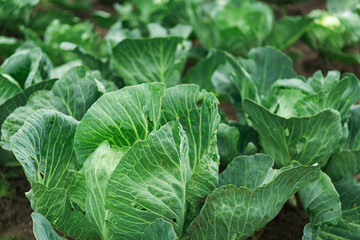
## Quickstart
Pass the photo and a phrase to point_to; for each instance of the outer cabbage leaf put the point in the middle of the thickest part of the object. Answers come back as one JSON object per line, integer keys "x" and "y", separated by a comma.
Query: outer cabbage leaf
{"x": 138, "y": 110}
{"x": 43, "y": 229}
{"x": 159, "y": 230}
{"x": 349, "y": 191}
{"x": 288, "y": 30}
{"x": 202, "y": 73}
{"x": 198, "y": 114}
{"x": 321, "y": 201}
{"x": 233, "y": 81}
{"x": 9, "y": 88}
{"x": 342, "y": 231}
{"x": 150, "y": 60}
{"x": 249, "y": 171}
{"x": 10, "y": 105}
{"x": 21, "y": 98}
{"x": 122, "y": 118}
{"x": 44, "y": 147}
{"x": 342, "y": 164}
{"x": 28, "y": 66}
{"x": 346, "y": 162}
{"x": 72, "y": 94}
{"x": 307, "y": 140}
{"x": 97, "y": 170}
{"x": 266, "y": 65}
{"x": 154, "y": 174}
{"x": 235, "y": 213}
{"x": 340, "y": 95}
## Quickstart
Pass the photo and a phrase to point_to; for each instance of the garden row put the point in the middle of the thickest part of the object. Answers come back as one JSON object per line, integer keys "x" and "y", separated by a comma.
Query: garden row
{"x": 122, "y": 138}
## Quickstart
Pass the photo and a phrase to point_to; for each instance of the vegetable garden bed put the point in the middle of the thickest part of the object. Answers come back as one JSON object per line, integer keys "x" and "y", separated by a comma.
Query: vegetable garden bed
{"x": 180, "y": 119}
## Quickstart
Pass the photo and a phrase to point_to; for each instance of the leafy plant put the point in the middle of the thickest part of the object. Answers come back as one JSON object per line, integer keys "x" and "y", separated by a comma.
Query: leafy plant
{"x": 143, "y": 162}
{"x": 139, "y": 161}
{"x": 335, "y": 31}
{"x": 22, "y": 74}
{"x": 312, "y": 121}
{"x": 15, "y": 13}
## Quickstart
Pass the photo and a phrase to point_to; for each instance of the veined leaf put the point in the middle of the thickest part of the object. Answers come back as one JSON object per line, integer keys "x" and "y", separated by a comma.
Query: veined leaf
{"x": 75, "y": 92}
{"x": 150, "y": 60}
{"x": 353, "y": 142}
{"x": 201, "y": 74}
{"x": 121, "y": 117}
{"x": 21, "y": 98}
{"x": 346, "y": 162}
{"x": 28, "y": 67}
{"x": 98, "y": 169}
{"x": 233, "y": 81}
{"x": 341, "y": 95}
{"x": 266, "y": 65}
{"x": 236, "y": 213}
{"x": 321, "y": 201}
{"x": 228, "y": 138}
{"x": 72, "y": 94}
{"x": 249, "y": 171}
{"x": 349, "y": 191}
{"x": 159, "y": 230}
{"x": 150, "y": 182}
{"x": 9, "y": 106}
{"x": 285, "y": 101}
{"x": 318, "y": 82}
{"x": 342, "y": 231}
{"x": 44, "y": 147}
{"x": 343, "y": 164}
{"x": 16, "y": 119}
{"x": 307, "y": 140}
{"x": 198, "y": 114}
{"x": 55, "y": 205}
{"x": 9, "y": 87}
{"x": 136, "y": 111}
{"x": 43, "y": 229}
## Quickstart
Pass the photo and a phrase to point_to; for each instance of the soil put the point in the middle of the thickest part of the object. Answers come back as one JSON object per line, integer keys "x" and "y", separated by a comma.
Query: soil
{"x": 15, "y": 210}
{"x": 288, "y": 224}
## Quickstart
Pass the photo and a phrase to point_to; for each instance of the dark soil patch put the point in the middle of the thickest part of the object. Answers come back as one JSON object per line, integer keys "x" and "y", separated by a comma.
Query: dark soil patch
{"x": 229, "y": 110}
{"x": 289, "y": 224}
{"x": 15, "y": 211}
{"x": 311, "y": 61}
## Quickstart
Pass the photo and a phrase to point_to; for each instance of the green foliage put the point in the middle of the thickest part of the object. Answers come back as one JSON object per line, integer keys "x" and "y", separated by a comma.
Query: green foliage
{"x": 143, "y": 162}
{"x": 335, "y": 31}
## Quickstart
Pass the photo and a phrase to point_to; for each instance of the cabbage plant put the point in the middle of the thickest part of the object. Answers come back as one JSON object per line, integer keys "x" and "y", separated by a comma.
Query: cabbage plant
{"x": 336, "y": 31}
{"x": 139, "y": 164}
{"x": 311, "y": 120}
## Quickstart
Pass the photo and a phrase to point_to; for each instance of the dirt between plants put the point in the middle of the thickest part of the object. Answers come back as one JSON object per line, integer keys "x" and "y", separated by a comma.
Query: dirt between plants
{"x": 15, "y": 211}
